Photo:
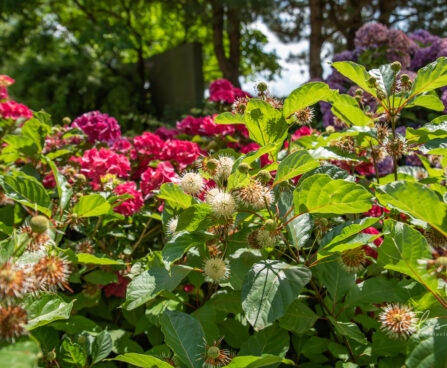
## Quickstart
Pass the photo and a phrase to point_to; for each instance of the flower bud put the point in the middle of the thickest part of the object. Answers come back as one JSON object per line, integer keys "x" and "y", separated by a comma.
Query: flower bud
{"x": 82, "y": 339}
{"x": 270, "y": 225}
{"x": 243, "y": 167}
{"x": 404, "y": 78}
{"x": 51, "y": 355}
{"x": 396, "y": 66}
{"x": 39, "y": 224}
{"x": 66, "y": 120}
{"x": 359, "y": 92}
{"x": 371, "y": 81}
{"x": 213, "y": 352}
{"x": 262, "y": 87}
{"x": 263, "y": 176}
{"x": 81, "y": 178}
{"x": 211, "y": 164}
{"x": 330, "y": 129}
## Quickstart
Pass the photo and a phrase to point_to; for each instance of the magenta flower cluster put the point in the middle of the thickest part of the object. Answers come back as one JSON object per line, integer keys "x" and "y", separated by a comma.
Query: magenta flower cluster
{"x": 98, "y": 127}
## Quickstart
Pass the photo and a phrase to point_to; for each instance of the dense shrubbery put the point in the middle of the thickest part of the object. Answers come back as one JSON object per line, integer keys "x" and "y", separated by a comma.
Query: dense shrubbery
{"x": 244, "y": 239}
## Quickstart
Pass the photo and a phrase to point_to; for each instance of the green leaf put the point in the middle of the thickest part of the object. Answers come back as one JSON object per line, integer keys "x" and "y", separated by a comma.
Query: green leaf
{"x": 336, "y": 280}
{"x": 175, "y": 196}
{"x": 180, "y": 242}
{"x": 349, "y": 329}
{"x": 265, "y": 124}
{"x": 76, "y": 324}
{"x": 401, "y": 251}
{"x": 430, "y": 101}
{"x": 96, "y": 260}
{"x": 295, "y": 164}
{"x": 100, "y": 277}
{"x": 299, "y": 318}
{"x": 142, "y": 360}
{"x": 322, "y": 194}
{"x": 427, "y": 348}
{"x": 382, "y": 345}
{"x": 206, "y": 316}
{"x": 226, "y": 301}
{"x": 21, "y": 144}
{"x": 271, "y": 340}
{"x": 257, "y": 362}
{"x": 304, "y": 96}
{"x": 91, "y": 205}
{"x": 235, "y": 332}
{"x": 416, "y": 200}
{"x": 430, "y": 77}
{"x": 63, "y": 187}
{"x": 23, "y": 354}
{"x": 240, "y": 262}
{"x": 36, "y": 131}
{"x": 352, "y": 115}
{"x": 197, "y": 217}
{"x": 26, "y": 191}
{"x": 75, "y": 353}
{"x": 101, "y": 347}
{"x": 375, "y": 290}
{"x": 147, "y": 285}
{"x": 384, "y": 78}
{"x": 252, "y": 156}
{"x": 184, "y": 335}
{"x": 355, "y": 72}
{"x": 229, "y": 118}
{"x": 333, "y": 171}
{"x": 269, "y": 288}
{"x": 46, "y": 309}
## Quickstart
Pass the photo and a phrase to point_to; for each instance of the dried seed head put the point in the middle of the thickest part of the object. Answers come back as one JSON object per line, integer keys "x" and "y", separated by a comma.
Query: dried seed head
{"x": 398, "y": 321}
{"x": 192, "y": 183}
{"x": 216, "y": 269}
{"x": 382, "y": 131}
{"x": 13, "y": 281}
{"x": 273, "y": 102}
{"x": 52, "y": 272}
{"x": 396, "y": 147}
{"x": 254, "y": 196}
{"x": 435, "y": 238}
{"x": 84, "y": 246}
{"x": 305, "y": 116}
{"x": 39, "y": 224}
{"x": 12, "y": 321}
{"x": 345, "y": 144}
{"x": 353, "y": 260}
{"x": 214, "y": 356}
{"x": 239, "y": 105}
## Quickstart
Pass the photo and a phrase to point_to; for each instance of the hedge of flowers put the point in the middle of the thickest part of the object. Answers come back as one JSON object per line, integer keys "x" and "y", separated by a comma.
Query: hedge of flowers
{"x": 246, "y": 238}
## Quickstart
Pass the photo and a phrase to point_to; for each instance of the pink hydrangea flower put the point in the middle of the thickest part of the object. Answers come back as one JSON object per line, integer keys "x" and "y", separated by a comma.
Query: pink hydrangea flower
{"x": 377, "y": 242}
{"x": 97, "y": 163}
{"x": 182, "y": 152}
{"x": 131, "y": 205}
{"x": 117, "y": 289}
{"x": 5, "y": 81}
{"x": 152, "y": 178}
{"x": 203, "y": 126}
{"x": 165, "y": 133}
{"x": 13, "y": 110}
{"x": 98, "y": 127}
{"x": 221, "y": 90}
{"x": 122, "y": 145}
{"x": 189, "y": 125}
{"x": 3, "y": 93}
{"x": 149, "y": 144}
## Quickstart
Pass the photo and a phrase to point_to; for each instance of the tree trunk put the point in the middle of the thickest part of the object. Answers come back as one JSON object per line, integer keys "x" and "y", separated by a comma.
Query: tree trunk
{"x": 229, "y": 66}
{"x": 316, "y": 39}
{"x": 386, "y": 8}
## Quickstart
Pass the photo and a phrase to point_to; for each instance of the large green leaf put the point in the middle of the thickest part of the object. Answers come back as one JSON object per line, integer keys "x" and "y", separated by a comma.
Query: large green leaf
{"x": 23, "y": 354}
{"x": 63, "y": 187}
{"x": 348, "y": 329}
{"x": 384, "y": 78}
{"x": 197, "y": 217}
{"x": 46, "y": 309}
{"x": 92, "y": 259}
{"x": 142, "y": 360}
{"x": 27, "y": 191}
{"x": 299, "y": 318}
{"x": 295, "y": 164}
{"x": 269, "y": 288}
{"x": 229, "y": 118}
{"x": 147, "y": 285}
{"x": 427, "y": 348}
{"x": 257, "y": 362}
{"x": 416, "y": 200}
{"x": 175, "y": 196}
{"x": 430, "y": 77}
{"x": 101, "y": 346}
{"x": 402, "y": 250}
{"x": 180, "y": 242}
{"x": 36, "y": 131}
{"x": 184, "y": 335}
{"x": 91, "y": 205}
{"x": 271, "y": 340}
{"x": 429, "y": 101}
{"x": 264, "y": 123}
{"x": 304, "y": 96}
{"x": 322, "y": 194}
{"x": 352, "y": 115}
{"x": 355, "y": 72}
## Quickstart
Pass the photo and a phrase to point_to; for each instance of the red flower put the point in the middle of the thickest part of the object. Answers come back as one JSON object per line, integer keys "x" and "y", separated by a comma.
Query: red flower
{"x": 152, "y": 178}
{"x": 377, "y": 242}
{"x": 117, "y": 289}
{"x": 13, "y": 110}
{"x": 98, "y": 127}
{"x": 131, "y": 205}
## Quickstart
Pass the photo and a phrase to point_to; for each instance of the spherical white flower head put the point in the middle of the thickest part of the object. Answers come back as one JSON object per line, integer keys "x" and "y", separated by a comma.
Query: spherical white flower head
{"x": 223, "y": 205}
{"x": 266, "y": 239}
{"x": 216, "y": 269}
{"x": 398, "y": 321}
{"x": 224, "y": 167}
{"x": 255, "y": 196}
{"x": 192, "y": 183}
{"x": 209, "y": 197}
{"x": 171, "y": 226}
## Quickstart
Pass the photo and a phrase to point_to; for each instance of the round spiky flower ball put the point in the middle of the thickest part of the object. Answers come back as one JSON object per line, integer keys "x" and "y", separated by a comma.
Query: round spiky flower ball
{"x": 255, "y": 196}
{"x": 52, "y": 272}
{"x": 353, "y": 260}
{"x": 398, "y": 321}
{"x": 216, "y": 269}
{"x": 214, "y": 356}
{"x": 266, "y": 239}
{"x": 39, "y": 224}
{"x": 13, "y": 281}
{"x": 36, "y": 241}
{"x": 12, "y": 321}
{"x": 435, "y": 238}
{"x": 171, "y": 226}
{"x": 223, "y": 205}
{"x": 396, "y": 147}
{"x": 224, "y": 167}
{"x": 305, "y": 115}
{"x": 192, "y": 183}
